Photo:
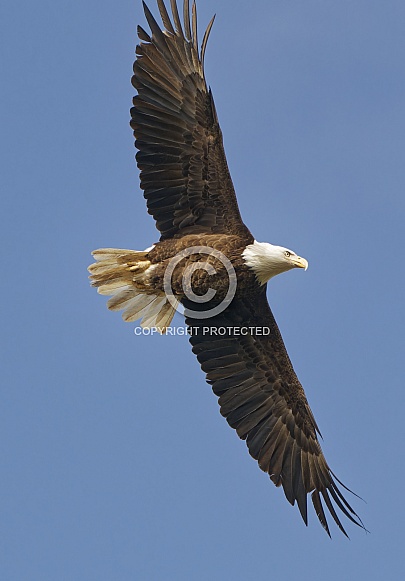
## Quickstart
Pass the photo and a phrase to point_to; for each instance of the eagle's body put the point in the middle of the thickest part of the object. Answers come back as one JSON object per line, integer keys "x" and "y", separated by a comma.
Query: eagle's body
{"x": 206, "y": 248}
{"x": 230, "y": 246}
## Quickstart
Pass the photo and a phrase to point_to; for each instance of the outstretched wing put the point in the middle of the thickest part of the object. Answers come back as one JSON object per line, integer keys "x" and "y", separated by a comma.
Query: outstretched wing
{"x": 242, "y": 352}
{"x": 183, "y": 168}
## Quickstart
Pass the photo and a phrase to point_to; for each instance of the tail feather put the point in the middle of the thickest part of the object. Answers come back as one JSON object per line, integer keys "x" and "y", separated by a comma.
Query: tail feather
{"x": 121, "y": 273}
{"x": 139, "y": 307}
{"x": 150, "y": 315}
{"x": 120, "y": 298}
{"x": 117, "y": 264}
{"x": 165, "y": 315}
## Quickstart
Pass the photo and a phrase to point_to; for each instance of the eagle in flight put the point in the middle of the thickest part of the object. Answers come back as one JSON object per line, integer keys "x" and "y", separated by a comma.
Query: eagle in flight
{"x": 208, "y": 261}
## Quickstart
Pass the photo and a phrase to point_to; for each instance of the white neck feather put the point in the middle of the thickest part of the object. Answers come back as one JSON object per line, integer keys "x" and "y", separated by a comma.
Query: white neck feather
{"x": 266, "y": 260}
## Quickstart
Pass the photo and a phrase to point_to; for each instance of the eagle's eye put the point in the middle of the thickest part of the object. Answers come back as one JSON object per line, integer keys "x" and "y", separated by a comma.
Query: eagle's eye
{"x": 287, "y": 253}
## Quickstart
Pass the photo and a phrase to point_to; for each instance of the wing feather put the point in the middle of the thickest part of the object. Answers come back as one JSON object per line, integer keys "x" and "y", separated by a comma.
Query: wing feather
{"x": 205, "y": 40}
{"x": 176, "y": 18}
{"x": 165, "y": 16}
{"x": 316, "y": 501}
{"x": 332, "y": 511}
{"x": 258, "y": 435}
{"x": 287, "y": 471}
{"x": 186, "y": 19}
{"x": 262, "y": 399}
{"x": 194, "y": 23}
{"x": 177, "y": 133}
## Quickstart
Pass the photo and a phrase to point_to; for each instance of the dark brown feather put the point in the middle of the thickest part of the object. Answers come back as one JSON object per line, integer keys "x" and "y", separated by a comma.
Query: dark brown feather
{"x": 165, "y": 16}
{"x": 316, "y": 501}
{"x": 176, "y": 130}
{"x": 332, "y": 511}
{"x": 261, "y": 397}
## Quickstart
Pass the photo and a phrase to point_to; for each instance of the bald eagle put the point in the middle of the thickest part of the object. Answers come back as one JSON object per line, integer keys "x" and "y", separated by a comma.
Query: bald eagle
{"x": 207, "y": 250}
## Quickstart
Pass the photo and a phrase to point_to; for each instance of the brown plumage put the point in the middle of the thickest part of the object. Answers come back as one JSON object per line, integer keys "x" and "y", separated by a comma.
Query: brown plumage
{"x": 189, "y": 193}
{"x": 183, "y": 168}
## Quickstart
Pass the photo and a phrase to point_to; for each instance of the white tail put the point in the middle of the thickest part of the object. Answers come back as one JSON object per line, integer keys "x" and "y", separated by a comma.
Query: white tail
{"x": 121, "y": 273}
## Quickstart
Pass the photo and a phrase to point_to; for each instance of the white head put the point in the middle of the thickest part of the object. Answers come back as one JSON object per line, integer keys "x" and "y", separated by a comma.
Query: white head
{"x": 267, "y": 260}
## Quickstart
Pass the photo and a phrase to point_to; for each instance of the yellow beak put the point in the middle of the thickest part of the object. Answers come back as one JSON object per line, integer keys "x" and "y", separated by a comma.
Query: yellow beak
{"x": 300, "y": 262}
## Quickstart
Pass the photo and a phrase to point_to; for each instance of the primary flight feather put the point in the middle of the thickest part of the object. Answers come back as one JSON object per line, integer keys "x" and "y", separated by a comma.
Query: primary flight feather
{"x": 207, "y": 248}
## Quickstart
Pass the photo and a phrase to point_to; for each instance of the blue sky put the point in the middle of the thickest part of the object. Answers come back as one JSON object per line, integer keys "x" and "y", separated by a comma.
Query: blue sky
{"x": 115, "y": 462}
